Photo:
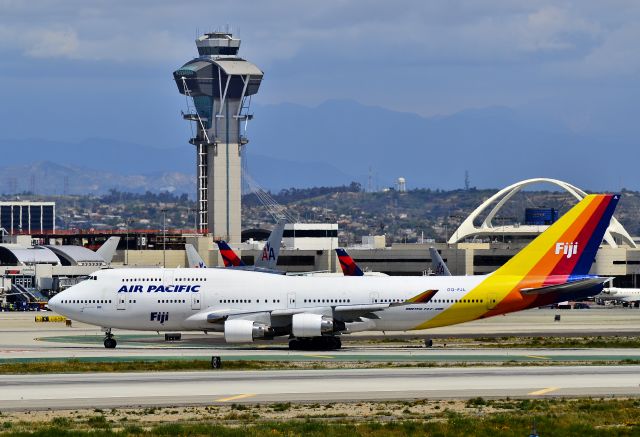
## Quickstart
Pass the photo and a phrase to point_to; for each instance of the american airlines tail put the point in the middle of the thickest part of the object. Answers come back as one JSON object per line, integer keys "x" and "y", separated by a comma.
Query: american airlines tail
{"x": 437, "y": 264}
{"x": 347, "y": 264}
{"x": 229, "y": 257}
{"x": 193, "y": 257}
{"x": 271, "y": 249}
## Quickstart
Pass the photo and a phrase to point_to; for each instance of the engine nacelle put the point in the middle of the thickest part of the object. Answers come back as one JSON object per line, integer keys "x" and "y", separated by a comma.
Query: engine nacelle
{"x": 311, "y": 325}
{"x": 244, "y": 331}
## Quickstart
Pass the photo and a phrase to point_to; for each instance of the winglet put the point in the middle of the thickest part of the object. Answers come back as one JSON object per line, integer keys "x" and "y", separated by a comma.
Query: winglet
{"x": 423, "y": 297}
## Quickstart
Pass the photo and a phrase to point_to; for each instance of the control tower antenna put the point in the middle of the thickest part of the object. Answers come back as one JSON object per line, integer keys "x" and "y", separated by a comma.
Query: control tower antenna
{"x": 220, "y": 85}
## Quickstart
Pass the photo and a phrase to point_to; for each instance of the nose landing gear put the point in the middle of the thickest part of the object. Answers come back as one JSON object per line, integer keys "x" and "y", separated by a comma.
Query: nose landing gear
{"x": 109, "y": 341}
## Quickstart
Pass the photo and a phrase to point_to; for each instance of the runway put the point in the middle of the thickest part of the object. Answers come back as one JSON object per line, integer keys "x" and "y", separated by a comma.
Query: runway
{"x": 62, "y": 391}
{"x": 22, "y": 340}
{"x": 345, "y": 355}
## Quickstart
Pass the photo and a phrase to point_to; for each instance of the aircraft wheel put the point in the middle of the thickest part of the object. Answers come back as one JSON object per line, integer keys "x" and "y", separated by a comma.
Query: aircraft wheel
{"x": 294, "y": 344}
{"x": 110, "y": 343}
{"x": 336, "y": 343}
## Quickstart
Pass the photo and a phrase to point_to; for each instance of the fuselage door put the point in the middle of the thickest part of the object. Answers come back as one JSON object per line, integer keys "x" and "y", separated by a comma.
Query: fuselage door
{"x": 196, "y": 300}
{"x": 374, "y": 297}
{"x": 121, "y": 301}
{"x": 291, "y": 300}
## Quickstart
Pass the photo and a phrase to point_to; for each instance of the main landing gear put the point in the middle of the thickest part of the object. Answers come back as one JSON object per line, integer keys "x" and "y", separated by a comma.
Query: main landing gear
{"x": 315, "y": 343}
{"x": 109, "y": 341}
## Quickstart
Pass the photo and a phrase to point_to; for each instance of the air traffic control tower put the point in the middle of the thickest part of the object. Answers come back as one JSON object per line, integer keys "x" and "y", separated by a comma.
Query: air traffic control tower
{"x": 220, "y": 85}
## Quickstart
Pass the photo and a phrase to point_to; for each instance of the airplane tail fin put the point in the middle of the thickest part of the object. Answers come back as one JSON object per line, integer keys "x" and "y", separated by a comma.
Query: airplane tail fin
{"x": 193, "y": 257}
{"x": 228, "y": 255}
{"x": 569, "y": 246}
{"x": 437, "y": 263}
{"x": 108, "y": 249}
{"x": 271, "y": 249}
{"x": 348, "y": 265}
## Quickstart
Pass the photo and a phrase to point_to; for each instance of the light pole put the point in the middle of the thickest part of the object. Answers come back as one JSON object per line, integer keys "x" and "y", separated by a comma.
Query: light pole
{"x": 126, "y": 242}
{"x": 164, "y": 238}
{"x": 195, "y": 219}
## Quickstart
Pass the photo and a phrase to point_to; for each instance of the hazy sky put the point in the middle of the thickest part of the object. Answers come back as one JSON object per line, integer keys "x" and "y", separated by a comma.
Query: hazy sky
{"x": 75, "y": 68}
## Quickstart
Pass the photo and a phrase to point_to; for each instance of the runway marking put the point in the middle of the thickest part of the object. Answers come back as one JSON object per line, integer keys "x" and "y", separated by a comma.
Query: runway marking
{"x": 319, "y": 356}
{"x": 544, "y": 391}
{"x": 538, "y": 357}
{"x": 236, "y": 397}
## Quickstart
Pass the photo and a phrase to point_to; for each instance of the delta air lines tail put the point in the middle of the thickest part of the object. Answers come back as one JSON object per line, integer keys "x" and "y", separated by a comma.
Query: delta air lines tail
{"x": 229, "y": 257}
{"x": 268, "y": 259}
{"x": 347, "y": 264}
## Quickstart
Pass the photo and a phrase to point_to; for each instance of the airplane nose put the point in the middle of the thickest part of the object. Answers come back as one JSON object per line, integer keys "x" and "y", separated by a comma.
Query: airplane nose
{"x": 54, "y": 303}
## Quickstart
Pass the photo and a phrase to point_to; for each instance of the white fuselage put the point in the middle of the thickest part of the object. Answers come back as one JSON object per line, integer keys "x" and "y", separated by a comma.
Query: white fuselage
{"x": 180, "y": 299}
{"x": 620, "y": 294}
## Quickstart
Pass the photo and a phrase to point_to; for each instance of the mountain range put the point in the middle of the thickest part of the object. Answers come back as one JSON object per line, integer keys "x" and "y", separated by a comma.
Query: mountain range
{"x": 335, "y": 143}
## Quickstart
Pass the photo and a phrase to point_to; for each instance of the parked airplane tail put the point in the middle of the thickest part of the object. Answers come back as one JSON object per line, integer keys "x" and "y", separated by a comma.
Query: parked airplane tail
{"x": 228, "y": 255}
{"x": 568, "y": 247}
{"x": 193, "y": 257}
{"x": 437, "y": 263}
{"x": 347, "y": 264}
{"x": 108, "y": 249}
{"x": 271, "y": 249}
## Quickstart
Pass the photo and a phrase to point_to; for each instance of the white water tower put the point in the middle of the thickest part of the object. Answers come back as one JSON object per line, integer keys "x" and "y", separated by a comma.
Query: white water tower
{"x": 401, "y": 185}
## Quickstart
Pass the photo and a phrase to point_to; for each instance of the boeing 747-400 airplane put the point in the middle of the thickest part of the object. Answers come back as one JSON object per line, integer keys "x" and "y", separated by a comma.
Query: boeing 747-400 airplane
{"x": 315, "y": 310}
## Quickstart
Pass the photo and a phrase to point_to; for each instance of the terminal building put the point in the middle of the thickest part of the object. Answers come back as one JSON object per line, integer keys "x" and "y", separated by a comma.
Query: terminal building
{"x": 49, "y": 261}
{"x": 27, "y": 217}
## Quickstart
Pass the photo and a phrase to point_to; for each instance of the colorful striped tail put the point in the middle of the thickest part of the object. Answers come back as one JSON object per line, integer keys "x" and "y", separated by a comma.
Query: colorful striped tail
{"x": 569, "y": 246}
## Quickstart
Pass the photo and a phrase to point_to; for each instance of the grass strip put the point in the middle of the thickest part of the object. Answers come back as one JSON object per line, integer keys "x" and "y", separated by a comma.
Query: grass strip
{"x": 81, "y": 366}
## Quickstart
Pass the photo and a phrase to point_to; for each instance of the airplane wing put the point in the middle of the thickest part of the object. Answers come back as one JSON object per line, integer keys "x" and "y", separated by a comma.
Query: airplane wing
{"x": 342, "y": 312}
{"x": 566, "y": 287}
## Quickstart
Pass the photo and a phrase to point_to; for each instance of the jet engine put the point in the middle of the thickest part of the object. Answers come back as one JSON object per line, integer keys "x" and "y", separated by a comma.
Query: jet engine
{"x": 243, "y": 331}
{"x": 311, "y": 325}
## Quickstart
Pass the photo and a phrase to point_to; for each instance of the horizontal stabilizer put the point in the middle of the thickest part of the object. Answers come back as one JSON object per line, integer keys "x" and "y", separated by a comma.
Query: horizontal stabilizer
{"x": 567, "y": 287}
